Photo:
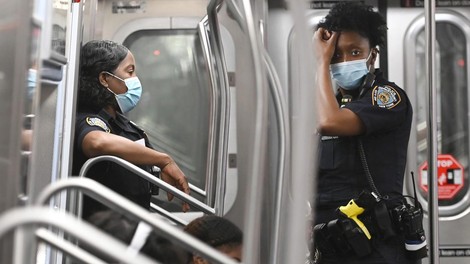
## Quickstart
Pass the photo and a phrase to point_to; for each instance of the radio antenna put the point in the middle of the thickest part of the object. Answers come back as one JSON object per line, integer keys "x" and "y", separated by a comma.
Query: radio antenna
{"x": 414, "y": 186}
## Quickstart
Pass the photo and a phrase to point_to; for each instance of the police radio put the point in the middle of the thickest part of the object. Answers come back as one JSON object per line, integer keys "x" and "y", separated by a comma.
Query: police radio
{"x": 408, "y": 219}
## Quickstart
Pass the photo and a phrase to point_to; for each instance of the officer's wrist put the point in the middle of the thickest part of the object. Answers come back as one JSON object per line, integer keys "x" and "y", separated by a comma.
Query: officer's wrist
{"x": 166, "y": 165}
{"x": 167, "y": 161}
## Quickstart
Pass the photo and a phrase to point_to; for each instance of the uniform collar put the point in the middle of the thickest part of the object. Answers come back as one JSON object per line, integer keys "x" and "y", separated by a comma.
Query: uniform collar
{"x": 120, "y": 120}
{"x": 105, "y": 115}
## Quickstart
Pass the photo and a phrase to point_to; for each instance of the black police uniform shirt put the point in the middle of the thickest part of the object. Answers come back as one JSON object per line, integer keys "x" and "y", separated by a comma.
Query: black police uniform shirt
{"x": 386, "y": 113}
{"x": 109, "y": 173}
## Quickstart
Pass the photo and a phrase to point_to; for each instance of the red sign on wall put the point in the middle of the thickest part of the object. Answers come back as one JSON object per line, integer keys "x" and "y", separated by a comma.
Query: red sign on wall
{"x": 450, "y": 176}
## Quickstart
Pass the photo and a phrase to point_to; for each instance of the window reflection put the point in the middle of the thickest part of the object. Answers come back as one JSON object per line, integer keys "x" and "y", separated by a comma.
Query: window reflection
{"x": 59, "y": 22}
{"x": 31, "y": 82}
{"x": 174, "y": 109}
{"x": 452, "y": 97}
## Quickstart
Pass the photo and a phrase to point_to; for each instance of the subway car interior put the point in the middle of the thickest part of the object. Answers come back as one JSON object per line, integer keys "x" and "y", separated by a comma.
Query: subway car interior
{"x": 228, "y": 93}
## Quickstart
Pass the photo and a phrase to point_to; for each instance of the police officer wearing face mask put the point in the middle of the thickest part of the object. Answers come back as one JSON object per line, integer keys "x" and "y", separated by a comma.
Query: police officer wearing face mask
{"x": 109, "y": 88}
{"x": 365, "y": 107}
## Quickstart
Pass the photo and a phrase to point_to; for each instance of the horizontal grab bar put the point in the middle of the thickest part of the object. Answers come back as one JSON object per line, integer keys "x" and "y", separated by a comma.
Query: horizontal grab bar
{"x": 117, "y": 202}
{"x": 197, "y": 190}
{"x": 168, "y": 215}
{"x": 192, "y": 187}
{"x": 65, "y": 246}
{"x": 151, "y": 178}
{"x": 81, "y": 230}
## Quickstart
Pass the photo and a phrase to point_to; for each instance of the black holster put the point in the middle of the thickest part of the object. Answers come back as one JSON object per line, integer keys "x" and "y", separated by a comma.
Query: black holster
{"x": 341, "y": 236}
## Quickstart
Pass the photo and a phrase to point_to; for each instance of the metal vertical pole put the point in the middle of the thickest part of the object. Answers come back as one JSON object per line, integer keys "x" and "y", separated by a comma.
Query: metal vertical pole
{"x": 224, "y": 101}
{"x": 252, "y": 240}
{"x": 303, "y": 140}
{"x": 15, "y": 60}
{"x": 433, "y": 208}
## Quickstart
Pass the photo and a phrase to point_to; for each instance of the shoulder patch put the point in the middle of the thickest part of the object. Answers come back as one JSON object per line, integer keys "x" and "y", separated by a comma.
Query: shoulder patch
{"x": 385, "y": 97}
{"x": 95, "y": 121}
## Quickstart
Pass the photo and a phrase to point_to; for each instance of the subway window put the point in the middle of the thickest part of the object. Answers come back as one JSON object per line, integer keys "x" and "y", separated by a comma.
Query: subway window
{"x": 452, "y": 111}
{"x": 175, "y": 107}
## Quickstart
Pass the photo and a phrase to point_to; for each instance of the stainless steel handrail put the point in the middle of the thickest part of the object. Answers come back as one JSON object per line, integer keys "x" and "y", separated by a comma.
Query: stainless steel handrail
{"x": 149, "y": 177}
{"x": 67, "y": 247}
{"x": 116, "y": 202}
{"x": 433, "y": 206}
{"x": 168, "y": 214}
{"x": 220, "y": 169}
{"x": 303, "y": 161}
{"x": 84, "y": 232}
{"x": 283, "y": 128}
{"x": 214, "y": 113}
{"x": 281, "y": 110}
{"x": 251, "y": 245}
{"x": 222, "y": 145}
{"x": 237, "y": 14}
{"x": 197, "y": 190}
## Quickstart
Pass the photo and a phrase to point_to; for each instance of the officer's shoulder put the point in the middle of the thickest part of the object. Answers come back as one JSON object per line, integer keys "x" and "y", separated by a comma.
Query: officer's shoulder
{"x": 386, "y": 96}
{"x": 95, "y": 120}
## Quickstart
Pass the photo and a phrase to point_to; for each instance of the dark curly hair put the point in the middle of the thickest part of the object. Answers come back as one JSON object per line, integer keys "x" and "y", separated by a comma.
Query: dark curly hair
{"x": 97, "y": 56}
{"x": 356, "y": 17}
{"x": 215, "y": 231}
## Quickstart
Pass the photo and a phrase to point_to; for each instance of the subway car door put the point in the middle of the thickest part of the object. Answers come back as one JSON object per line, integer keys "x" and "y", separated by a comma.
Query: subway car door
{"x": 452, "y": 82}
{"x": 182, "y": 109}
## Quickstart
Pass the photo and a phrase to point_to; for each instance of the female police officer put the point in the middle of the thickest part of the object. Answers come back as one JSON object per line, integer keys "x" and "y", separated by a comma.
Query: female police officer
{"x": 109, "y": 88}
{"x": 367, "y": 108}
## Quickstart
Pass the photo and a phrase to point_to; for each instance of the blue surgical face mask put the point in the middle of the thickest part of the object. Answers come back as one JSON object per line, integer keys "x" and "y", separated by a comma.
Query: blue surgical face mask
{"x": 128, "y": 100}
{"x": 349, "y": 74}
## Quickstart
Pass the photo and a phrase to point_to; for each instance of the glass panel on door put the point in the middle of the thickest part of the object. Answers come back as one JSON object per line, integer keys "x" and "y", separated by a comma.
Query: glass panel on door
{"x": 452, "y": 109}
{"x": 174, "y": 108}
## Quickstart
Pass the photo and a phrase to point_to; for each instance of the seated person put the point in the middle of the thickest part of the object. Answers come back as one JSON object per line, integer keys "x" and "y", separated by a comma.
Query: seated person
{"x": 219, "y": 233}
{"x": 139, "y": 236}
{"x": 108, "y": 89}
